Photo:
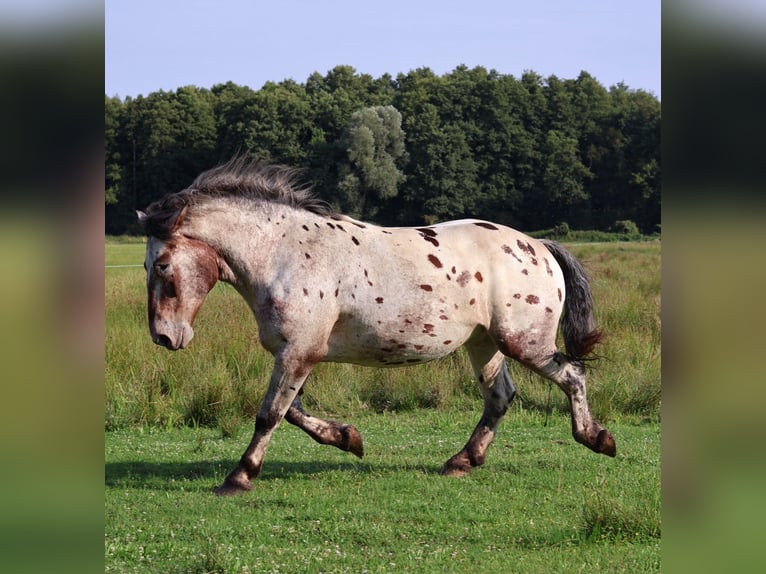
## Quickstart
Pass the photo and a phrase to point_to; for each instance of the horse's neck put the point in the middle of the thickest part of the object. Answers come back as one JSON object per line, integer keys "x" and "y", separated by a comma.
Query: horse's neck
{"x": 244, "y": 238}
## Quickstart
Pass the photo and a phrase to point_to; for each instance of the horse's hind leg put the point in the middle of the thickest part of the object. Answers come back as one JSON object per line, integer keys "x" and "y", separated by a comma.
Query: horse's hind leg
{"x": 570, "y": 377}
{"x": 498, "y": 391}
{"x": 345, "y": 437}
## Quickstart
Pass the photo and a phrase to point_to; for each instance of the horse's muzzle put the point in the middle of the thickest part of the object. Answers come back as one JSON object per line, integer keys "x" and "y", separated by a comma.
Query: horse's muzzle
{"x": 174, "y": 339}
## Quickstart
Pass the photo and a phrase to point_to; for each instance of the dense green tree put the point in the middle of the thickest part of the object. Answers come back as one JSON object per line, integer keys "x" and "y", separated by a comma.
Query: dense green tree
{"x": 233, "y": 105}
{"x": 374, "y": 142}
{"x": 532, "y": 152}
{"x": 564, "y": 177}
{"x": 113, "y": 159}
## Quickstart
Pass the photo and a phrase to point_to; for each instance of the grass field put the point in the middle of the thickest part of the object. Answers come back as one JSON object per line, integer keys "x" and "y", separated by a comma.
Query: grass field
{"x": 177, "y": 422}
{"x": 540, "y": 504}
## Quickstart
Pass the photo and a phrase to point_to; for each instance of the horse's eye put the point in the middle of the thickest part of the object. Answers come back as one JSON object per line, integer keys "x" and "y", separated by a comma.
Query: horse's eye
{"x": 161, "y": 268}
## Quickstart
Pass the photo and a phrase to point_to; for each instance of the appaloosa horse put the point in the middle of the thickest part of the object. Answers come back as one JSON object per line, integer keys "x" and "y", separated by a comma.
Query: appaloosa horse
{"x": 325, "y": 287}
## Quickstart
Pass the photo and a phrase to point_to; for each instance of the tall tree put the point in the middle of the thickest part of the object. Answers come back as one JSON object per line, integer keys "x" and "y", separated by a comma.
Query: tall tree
{"x": 113, "y": 157}
{"x": 374, "y": 142}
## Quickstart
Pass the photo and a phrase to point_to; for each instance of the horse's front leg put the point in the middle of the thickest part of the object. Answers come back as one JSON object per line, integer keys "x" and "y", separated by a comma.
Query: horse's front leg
{"x": 288, "y": 377}
{"x": 343, "y": 436}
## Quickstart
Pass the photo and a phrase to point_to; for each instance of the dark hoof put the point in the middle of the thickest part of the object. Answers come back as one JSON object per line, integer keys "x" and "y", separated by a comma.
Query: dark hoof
{"x": 456, "y": 467}
{"x": 605, "y": 443}
{"x": 352, "y": 440}
{"x": 235, "y": 484}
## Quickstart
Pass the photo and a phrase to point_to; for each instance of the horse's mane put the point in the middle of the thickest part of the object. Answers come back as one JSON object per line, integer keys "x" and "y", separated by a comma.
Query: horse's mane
{"x": 242, "y": 178}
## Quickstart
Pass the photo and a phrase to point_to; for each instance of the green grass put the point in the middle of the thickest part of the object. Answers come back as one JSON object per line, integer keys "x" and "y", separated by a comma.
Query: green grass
{"x": 541, "y": 503}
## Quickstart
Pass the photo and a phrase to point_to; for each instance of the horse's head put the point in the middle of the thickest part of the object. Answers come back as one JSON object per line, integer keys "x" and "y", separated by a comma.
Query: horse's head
{"x": 180, "y": 272}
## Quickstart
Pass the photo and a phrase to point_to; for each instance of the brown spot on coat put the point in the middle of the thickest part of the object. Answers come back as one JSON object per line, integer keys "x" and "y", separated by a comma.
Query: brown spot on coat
{"x": 434, "y": 260}
{"x": 532, "y": 299}
{"x": 355, "y": 240}
{"x": 330, "y": 225}
{"x": 485, "y": 225}
{"x": 426, "y": 288}
{"x": 463, "y": 278}
{"x": 321, "y": 294}
{"x": 447, "y": 342}
{"x": 443, "y": 317}
{"x": 525, "y": 272}
{"x": 472, "y": 302}
{"x": 517, "y": 295}
{"x": 305, "y": 291}
{"x": 525, "y": 247}
{"x": 306, "y": 227}
{"x": 453, "y": 270}
{"x": 478, "y": 276}
{"x": 548, "y": 310}
{"x": 307, "y": 256}
{"x": 427, "y": 327}
{"x": 429, "y": 235}
{"x": 548, "y": 267}
{"x": 379, "y": 300}
{"x": 418, "y": 347}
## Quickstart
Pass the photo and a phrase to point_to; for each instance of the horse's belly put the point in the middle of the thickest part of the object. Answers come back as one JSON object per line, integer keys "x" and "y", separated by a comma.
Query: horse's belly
{"x": 409, "y": 345}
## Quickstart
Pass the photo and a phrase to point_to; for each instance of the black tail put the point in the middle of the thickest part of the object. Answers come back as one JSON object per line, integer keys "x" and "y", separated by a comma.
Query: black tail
{"x": 578, "y": 324}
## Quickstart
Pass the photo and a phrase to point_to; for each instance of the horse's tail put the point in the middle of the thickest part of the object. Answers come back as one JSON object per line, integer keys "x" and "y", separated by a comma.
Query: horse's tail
{"x": 578, "y": 324}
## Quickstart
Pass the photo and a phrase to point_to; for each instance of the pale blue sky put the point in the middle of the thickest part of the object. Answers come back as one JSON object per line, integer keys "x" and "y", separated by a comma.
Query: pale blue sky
{"x": 165, "y": 44}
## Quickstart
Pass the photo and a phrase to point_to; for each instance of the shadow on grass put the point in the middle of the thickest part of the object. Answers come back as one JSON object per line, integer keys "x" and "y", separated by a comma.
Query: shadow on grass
{"x": 185, "y": 475}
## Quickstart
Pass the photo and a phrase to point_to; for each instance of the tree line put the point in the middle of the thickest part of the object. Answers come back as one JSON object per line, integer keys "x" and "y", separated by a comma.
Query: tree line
{"x": 530, "y": 152}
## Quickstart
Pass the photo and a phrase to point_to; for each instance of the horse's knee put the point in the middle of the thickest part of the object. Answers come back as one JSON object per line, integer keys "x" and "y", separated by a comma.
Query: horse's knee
{"x": 266, "y": 422}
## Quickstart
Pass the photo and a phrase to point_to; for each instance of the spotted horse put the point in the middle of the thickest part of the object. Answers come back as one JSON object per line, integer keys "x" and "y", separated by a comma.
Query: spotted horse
{"x": 326, "y": 287}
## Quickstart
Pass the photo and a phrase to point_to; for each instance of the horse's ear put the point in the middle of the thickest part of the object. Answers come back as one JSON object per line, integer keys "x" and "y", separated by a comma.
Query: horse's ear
{"x": 178, "y": 218}
{"x": 141, "y": 216}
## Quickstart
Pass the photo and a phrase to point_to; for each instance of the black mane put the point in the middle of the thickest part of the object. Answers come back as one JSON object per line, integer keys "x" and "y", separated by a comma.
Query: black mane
{"x": 240, "y": 178}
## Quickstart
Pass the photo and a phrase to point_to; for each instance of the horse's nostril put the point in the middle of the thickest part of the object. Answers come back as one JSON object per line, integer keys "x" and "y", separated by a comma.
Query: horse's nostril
{"x": 163, "y": 340}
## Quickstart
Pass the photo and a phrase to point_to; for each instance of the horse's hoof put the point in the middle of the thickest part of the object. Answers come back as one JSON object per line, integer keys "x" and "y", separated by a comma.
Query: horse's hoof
{"x": 455, "y": 468}
{"x": 352, "y": 440}
{"x": 234, "y": 485}
{"x": 605, "y": 443}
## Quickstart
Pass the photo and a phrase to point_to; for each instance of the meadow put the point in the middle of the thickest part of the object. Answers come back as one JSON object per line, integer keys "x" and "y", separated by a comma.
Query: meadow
{"x": 177, "y": 422}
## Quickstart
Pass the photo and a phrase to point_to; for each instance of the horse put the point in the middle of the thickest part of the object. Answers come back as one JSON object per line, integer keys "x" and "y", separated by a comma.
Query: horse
{"x": 327, "y": 287}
